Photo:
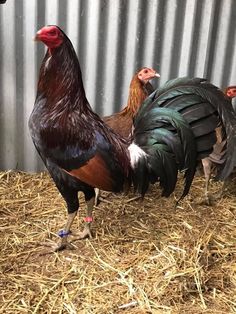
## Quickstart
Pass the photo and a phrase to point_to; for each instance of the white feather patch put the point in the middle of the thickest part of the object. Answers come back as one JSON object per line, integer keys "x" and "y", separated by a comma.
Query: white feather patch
{"x": 135, "y": 154}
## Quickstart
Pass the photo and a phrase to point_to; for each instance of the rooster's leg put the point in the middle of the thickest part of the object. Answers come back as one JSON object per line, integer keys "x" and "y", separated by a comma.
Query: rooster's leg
{"x": 206, "y": 162}
{"x": 73, "y": 205}
{"x": 65, "y": 232}
{"x": 72, "y": 201}
{"x": 88, "y": 219}
{"x": 86, "y": 233}
{"x": 70, "y": 196}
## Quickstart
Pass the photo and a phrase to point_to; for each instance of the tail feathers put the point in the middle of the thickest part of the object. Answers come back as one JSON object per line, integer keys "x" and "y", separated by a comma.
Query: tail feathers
{"x": 202, "y": 103}
{"x": 228, "y": 119}
{"x": 155, "y": 124}
{"x": 163, "y": 167}
{"x": 157, "y": 164}
{"x": 191, "y": 105}
{"x": 140, "y": 176}
{"x": 169, "y": 144}
{"x": 197, "y": 110}
{"x": 189, "y": 175}
{"x": 146, "y": 105}
{"x": 204, "y": 142}
{"x": 204, "y": 126}
{"x": 163, "y": 136}
{"x": 178, "y": 83}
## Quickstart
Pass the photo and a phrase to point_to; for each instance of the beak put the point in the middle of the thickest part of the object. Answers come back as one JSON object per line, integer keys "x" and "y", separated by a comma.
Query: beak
{"x": 157, "y": 74}
{"x": 37, "y": 36}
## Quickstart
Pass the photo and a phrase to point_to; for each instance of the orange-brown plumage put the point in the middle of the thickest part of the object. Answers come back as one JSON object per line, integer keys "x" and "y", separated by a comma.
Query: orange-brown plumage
{"x": 121, "y": 122}
{"x": 103, "y": 179}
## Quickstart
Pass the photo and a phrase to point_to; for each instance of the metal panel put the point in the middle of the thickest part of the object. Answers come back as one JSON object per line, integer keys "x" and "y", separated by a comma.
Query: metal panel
{"x": 29, "y": 79}
{"x": 8, "y": 88}
{"x": 113, "y": 38}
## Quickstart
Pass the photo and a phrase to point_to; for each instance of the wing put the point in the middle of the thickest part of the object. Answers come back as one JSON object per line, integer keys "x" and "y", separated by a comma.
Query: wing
{"x": 97, "y": 166}
{"x": 82, "y": 146}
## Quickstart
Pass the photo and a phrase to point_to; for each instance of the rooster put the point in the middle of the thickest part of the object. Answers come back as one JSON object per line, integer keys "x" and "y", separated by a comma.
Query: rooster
{"x": 81, "y": 152}
{"x": 216, "y": 157}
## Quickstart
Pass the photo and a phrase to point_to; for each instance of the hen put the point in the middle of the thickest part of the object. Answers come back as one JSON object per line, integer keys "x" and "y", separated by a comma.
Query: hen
{"x": 140, "y": 87}
{"x": 81, "y": 152}
{"x": 216, "y": 157}
{"x": 122, "y": 122}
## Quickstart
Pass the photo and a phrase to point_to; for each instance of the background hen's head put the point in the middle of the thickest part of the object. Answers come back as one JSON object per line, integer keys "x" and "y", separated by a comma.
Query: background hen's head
{"x": 231, "y": 91}
{"x": 146, "y": 74}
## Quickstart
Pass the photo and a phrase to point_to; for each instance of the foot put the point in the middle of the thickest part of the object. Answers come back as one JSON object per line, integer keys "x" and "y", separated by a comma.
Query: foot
{"x": 86, "y": 233}
{"x": 206, "y": 200}
{"x": 64, "y": 244}
{"x": 56, "y": 247}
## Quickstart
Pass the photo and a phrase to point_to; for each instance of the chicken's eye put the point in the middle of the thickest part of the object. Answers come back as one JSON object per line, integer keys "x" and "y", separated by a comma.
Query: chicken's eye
{"x": 146, "y": 71}
{"x": 52, "y": 33}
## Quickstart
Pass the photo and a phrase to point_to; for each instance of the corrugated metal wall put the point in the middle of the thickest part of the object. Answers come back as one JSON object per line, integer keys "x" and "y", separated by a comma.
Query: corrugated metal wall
{"x": 113, "y": 38}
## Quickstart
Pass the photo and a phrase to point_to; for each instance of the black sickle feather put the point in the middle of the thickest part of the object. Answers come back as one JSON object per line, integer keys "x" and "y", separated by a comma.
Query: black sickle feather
{"x": 204, "y": 102}
{"x": 153, "y": 131}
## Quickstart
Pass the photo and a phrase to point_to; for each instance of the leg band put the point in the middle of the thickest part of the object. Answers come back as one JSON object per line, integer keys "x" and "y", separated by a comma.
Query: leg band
{"x": 88, "y": 219}
{"x": 63, "y": 233}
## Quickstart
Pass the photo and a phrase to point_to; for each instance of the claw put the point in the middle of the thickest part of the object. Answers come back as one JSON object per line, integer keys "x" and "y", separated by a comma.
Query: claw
{"x": 86, "y": 233}
{"x": 206, "y": 200}
{"x": 64, "y": 244}
{"x": 57, "y": 247}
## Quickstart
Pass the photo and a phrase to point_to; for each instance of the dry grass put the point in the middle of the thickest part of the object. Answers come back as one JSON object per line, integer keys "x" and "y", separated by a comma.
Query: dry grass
{"x": 146, "y": 257}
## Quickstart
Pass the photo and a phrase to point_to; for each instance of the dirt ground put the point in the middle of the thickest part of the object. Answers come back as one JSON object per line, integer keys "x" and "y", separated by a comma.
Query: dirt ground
{"x": 145, "y": 256}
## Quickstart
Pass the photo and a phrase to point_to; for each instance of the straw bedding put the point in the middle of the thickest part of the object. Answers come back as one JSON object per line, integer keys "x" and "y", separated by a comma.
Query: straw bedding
{"x": 145, "y": 257}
